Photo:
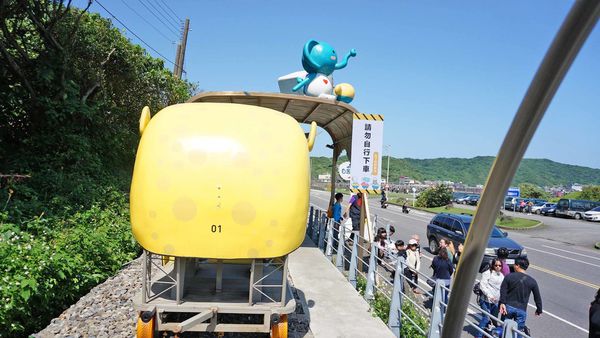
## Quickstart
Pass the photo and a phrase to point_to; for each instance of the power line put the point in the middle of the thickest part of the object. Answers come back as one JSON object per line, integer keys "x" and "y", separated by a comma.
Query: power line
{"x": 159, "y": 19}
{"x": 154, "y": 10}
{"x": 130, "y": 31}
{"x": 159, "y": 11}
{"x": 166, "y": 12}
{"x": 172, "y": 11}
{"x": 146, "y": 21}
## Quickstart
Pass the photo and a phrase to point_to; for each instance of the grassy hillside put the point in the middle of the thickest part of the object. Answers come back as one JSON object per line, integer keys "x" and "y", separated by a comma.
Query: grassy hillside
{"x": 474, "y": 171}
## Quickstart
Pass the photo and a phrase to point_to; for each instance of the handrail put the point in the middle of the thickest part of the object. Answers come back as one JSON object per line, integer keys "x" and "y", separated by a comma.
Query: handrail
{"x": 322, "y": 229}
{"x": 570, "y": 38}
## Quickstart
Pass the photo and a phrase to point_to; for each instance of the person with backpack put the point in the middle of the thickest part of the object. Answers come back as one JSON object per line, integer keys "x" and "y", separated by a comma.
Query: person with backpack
{"x": 489, "y": 294}
{"x": 514, "y": 294}
{"x": 354, "y": 211}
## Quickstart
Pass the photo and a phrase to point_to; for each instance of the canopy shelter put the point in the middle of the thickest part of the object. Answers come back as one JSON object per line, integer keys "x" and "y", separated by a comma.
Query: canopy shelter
{"x": 333, "y": 116}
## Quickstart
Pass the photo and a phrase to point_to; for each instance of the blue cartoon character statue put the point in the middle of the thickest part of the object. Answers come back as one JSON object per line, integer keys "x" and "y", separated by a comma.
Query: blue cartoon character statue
{"x": 319, "y": 60}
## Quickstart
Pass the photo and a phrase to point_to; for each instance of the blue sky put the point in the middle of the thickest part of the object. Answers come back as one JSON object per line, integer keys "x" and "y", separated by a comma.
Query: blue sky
{"x": 447, "y": 76}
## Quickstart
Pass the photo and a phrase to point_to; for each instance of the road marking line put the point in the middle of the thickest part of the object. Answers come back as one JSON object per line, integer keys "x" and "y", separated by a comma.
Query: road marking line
{"x": 561, "y": 319}
{"x": 572, "y": 279}
{"x": 571, "y": 252}
{"x": 562, "y": 256}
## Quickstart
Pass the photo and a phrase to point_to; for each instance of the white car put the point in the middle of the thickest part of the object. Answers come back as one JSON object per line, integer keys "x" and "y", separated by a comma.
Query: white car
{"x": 592, "y": 215}
{"x": 536, "y": 208}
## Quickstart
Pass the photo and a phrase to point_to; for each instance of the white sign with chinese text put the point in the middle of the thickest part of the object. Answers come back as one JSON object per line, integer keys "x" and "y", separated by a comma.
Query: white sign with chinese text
{"x": 367, "y": 144}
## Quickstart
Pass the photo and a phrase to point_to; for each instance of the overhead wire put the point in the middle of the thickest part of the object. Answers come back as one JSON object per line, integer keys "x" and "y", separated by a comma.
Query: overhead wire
{"x": 146, "y": 21}
{"x": 132, "y": 32}
{"x": 159, "y": 19}
{"x": 172, "y": 11}
{"x": 167, "y": 12}
{"x": 160, "y": 12}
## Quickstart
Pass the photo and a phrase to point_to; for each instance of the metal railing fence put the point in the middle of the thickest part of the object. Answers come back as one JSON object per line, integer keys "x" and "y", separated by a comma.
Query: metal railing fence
{"x": 343, "y": 253}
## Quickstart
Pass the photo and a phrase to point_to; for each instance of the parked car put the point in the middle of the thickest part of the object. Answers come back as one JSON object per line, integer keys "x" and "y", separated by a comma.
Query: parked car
{"x": 549, "y": 209}
{"x": 454, "y": 228}
{"x": 537, "y": 207}
{"x": 472, "y": 200}
{"x": 574, "y": 208}
{"x": 458, "y": 195}
{"x": 592, "y": 215}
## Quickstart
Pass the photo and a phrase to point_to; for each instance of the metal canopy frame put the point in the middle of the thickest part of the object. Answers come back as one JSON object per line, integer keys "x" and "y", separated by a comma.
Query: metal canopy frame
{"x": 333, "y": 116}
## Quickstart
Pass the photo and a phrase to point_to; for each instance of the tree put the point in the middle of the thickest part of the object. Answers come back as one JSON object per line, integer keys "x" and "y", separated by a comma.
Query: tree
{"x": 529, "y": 190}
{"x": 435, "y": 197}
{"x": 591, "y": 192}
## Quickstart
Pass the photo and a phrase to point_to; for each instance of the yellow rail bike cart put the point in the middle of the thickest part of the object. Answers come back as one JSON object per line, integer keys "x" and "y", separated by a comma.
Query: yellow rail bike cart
{"x": 219, "y": 198}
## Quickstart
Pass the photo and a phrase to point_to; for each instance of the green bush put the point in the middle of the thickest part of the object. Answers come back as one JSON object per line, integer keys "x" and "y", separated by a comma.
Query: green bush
{"x": 381, "y": 309}
{"x": 54, "y": 261}
{"x": 437, "y": 196}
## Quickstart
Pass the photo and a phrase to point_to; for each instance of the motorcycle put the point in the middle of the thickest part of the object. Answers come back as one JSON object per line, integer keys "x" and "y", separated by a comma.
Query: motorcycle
{"x": 384, "y": 204}
{"x": 405, "y": 209}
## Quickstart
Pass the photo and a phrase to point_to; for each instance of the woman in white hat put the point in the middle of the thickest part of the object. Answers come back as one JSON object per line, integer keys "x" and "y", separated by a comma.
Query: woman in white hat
{"x": 413, "y": 262}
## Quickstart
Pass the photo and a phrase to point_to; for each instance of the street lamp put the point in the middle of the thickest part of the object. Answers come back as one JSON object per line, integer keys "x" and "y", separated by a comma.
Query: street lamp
{"x": 387, "y": 177}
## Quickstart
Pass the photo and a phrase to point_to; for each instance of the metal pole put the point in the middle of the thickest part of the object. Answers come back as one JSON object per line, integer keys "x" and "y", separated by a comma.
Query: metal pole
{"x": 353, "y": 259}
{"x": 329, "y": 242}
{"x": 437, "y": 316}
{"x": 387, "y": 177}
{"x": 310, "y": 221}
{"x": 284, "y": 281}
{"x": 339, "y": 258}
{"x": 395, "y": 315}
{"x": 369, "y": 293}
{"x": 186, "y": 28}
{"x": 145, "y": 276}
{"x": 567, "y": 43}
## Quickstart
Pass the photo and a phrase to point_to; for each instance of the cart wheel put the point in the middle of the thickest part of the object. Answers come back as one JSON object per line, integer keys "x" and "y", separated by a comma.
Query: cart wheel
{"x": 280, "y": 329}
{"x": 146, "y": 324}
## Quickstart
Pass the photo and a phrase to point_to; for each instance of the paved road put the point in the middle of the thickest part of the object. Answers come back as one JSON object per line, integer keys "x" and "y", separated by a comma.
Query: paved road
{"x": 566, "y": 267}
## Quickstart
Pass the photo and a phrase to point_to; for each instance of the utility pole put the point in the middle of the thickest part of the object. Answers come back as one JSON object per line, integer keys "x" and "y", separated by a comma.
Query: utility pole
{"x": 180, "y": 57}
{"x": 176, "y": 67}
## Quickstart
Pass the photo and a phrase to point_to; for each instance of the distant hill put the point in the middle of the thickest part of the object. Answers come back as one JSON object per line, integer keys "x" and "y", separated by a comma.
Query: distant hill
{"x": 473, "y": 171}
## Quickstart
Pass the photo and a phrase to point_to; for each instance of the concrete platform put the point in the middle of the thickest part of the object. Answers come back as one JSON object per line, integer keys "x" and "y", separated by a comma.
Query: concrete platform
{"x": 334, "y": 307}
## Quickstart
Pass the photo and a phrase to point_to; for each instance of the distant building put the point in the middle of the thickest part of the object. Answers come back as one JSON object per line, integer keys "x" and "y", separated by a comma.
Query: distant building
{"x": 324, "y": 178}
{"x": 577, "y": 187}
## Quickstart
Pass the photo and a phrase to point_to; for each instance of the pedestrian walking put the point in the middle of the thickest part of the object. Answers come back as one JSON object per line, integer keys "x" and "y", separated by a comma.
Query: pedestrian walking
{"x": 354, "y": 211}
{"x": 413, "y": 262}
{"x": 337, "y": 219}
{"x": 595, "y": 317}
{"x": 514, "y": 294}
{"x": 442, "y": 270}
{"x": 491, "y": 281}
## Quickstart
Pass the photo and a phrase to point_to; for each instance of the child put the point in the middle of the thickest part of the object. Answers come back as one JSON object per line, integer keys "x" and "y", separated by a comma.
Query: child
{"x": 337, "y": 215}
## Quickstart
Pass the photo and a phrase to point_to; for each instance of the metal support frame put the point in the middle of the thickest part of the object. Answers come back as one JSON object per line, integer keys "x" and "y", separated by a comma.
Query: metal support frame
{"x": 510, "y": 329}
{"x": 339, "y": 258}
{"x": 353, "y": 261}
{"x": 315, "y": 226}
{"x": 437, "y": 312}
{"x": 395, "y": 314}
{"x": 322, "y": 228}
{"x": 329, "y": 241}
{"x": 310, "y": 221}
{"x": 257, "y": 273}
{"x": 369, "y": 290}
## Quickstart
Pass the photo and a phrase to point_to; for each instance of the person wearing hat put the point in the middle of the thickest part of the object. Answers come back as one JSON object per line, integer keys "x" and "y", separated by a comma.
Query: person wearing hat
{"x": 413, "y": 262}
